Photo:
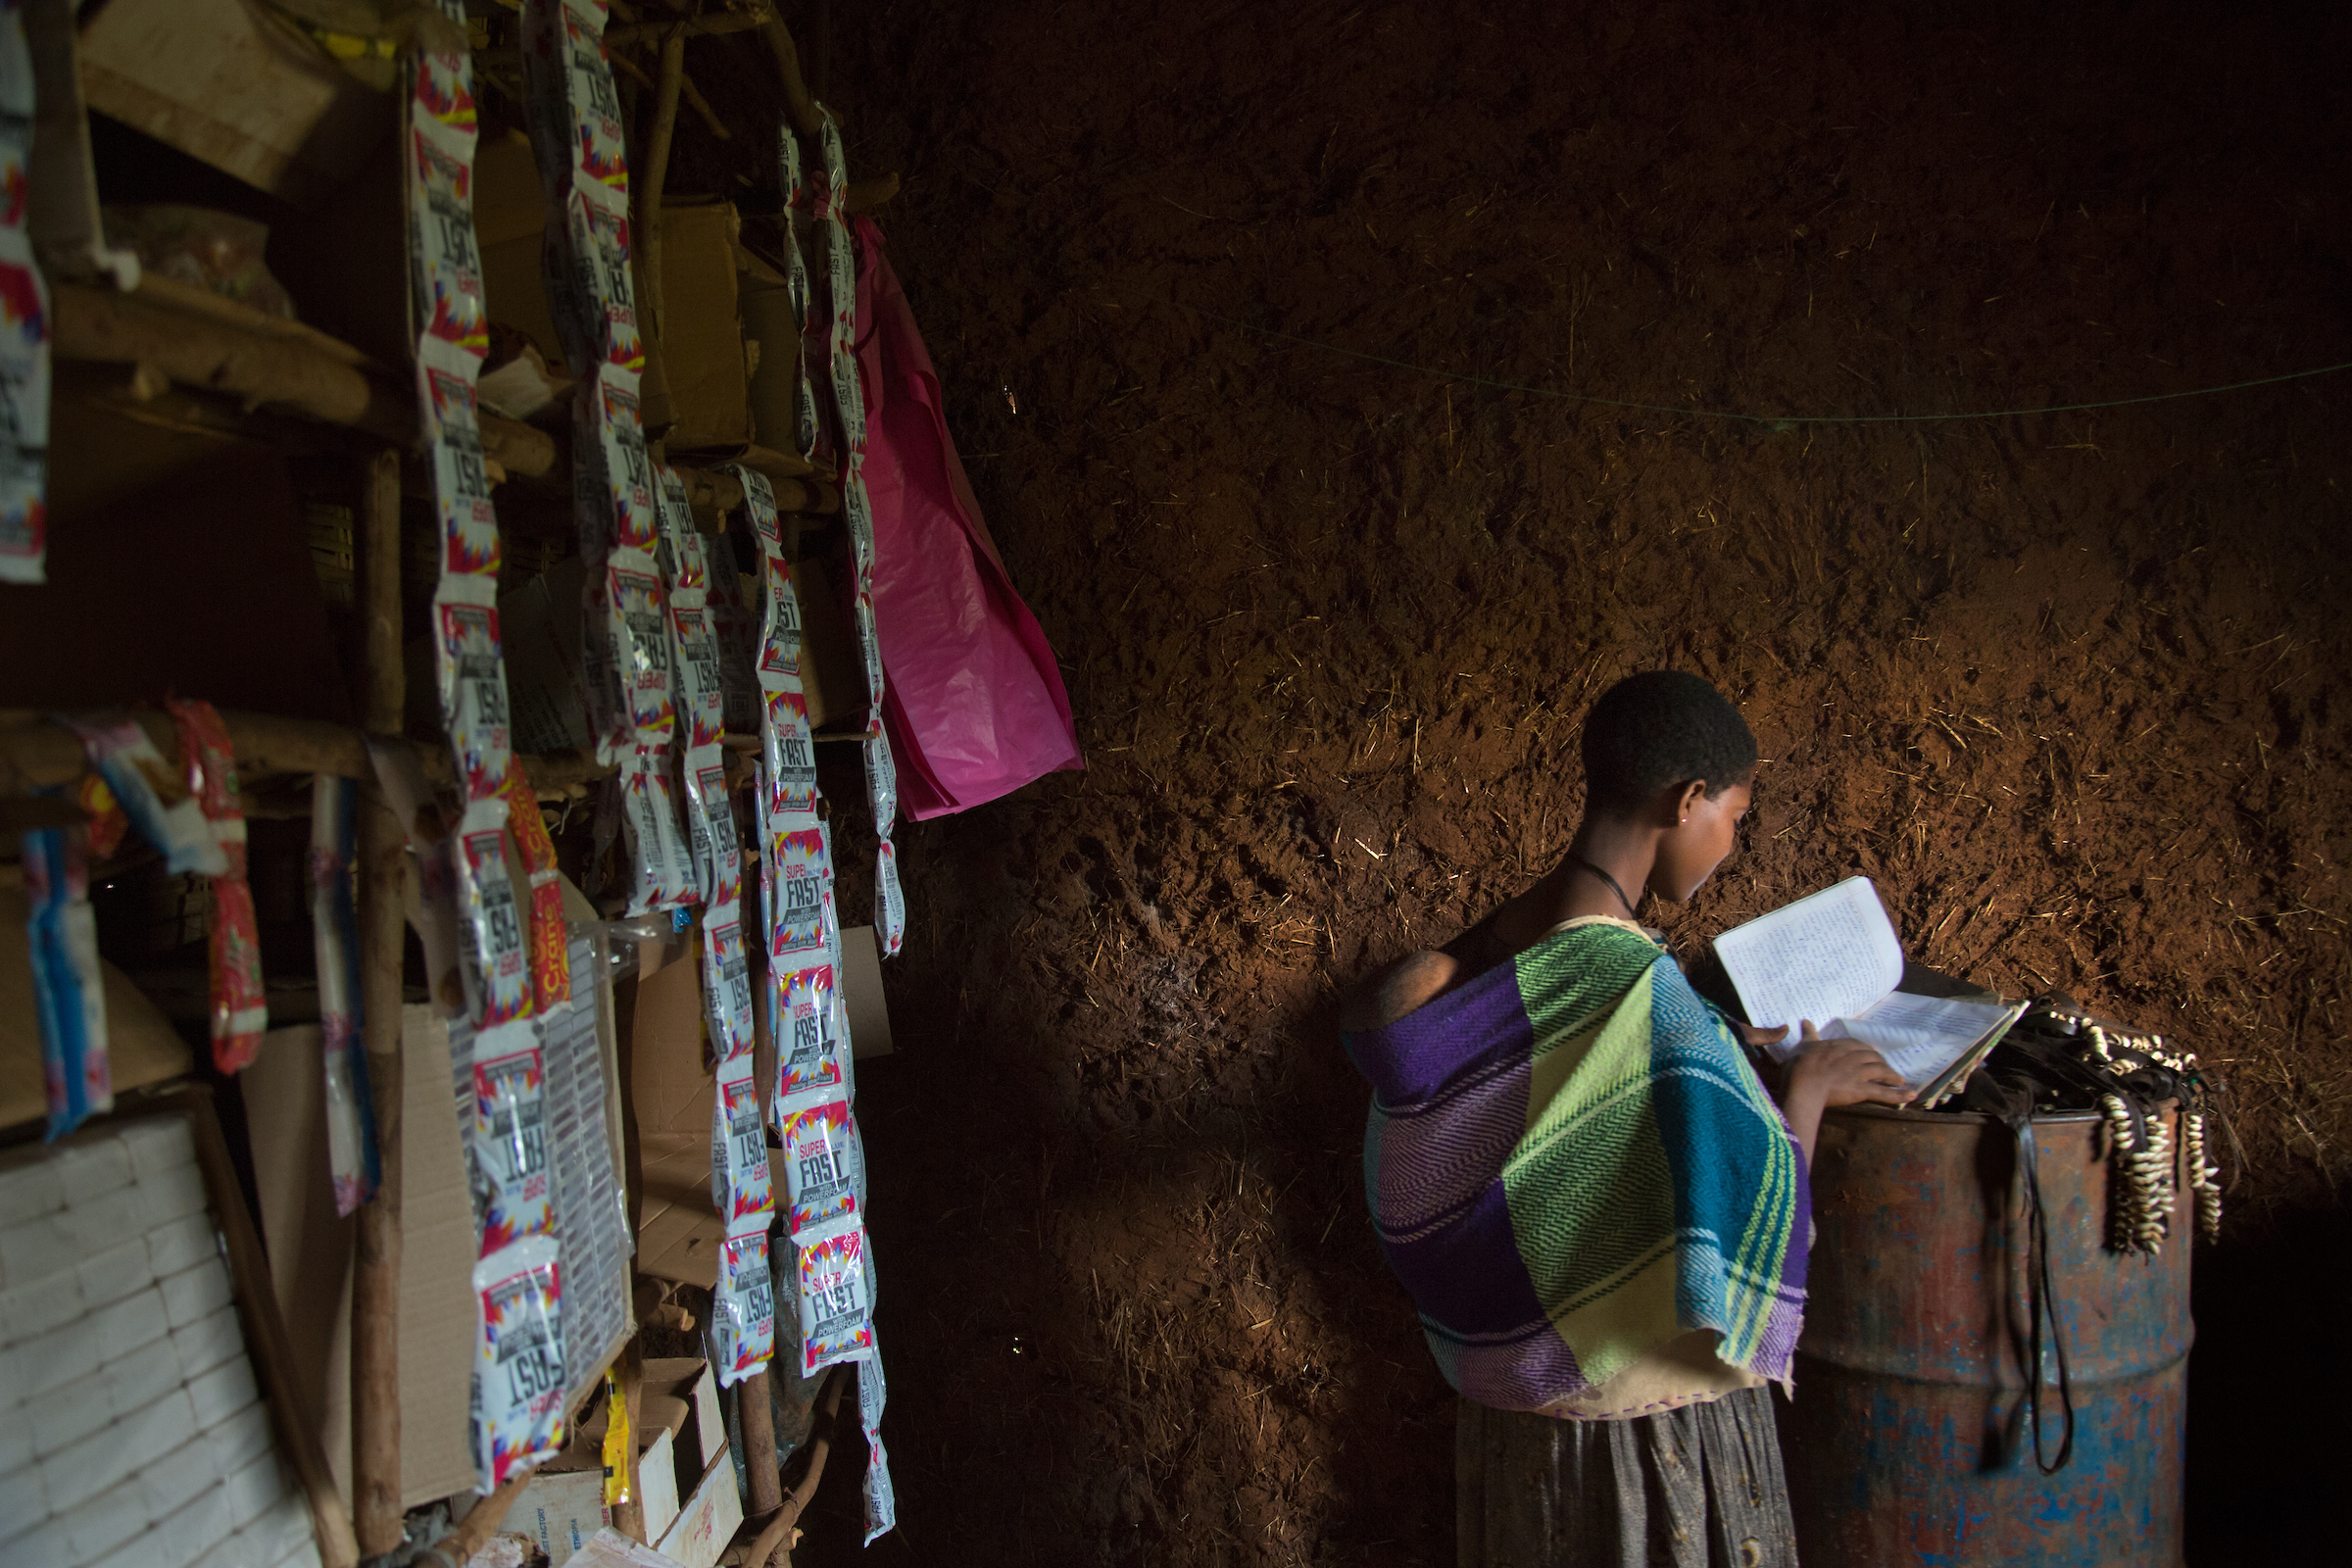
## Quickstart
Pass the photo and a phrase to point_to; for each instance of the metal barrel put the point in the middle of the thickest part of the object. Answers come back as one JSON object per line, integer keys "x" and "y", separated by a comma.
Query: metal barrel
{"x": 1908, "y": 1440}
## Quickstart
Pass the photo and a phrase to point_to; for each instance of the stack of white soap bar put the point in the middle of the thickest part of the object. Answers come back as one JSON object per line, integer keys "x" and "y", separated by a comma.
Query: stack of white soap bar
{"x": 130, "y": 1430}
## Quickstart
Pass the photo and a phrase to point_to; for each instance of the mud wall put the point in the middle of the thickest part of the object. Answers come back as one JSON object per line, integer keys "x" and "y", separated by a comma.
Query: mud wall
{"x": 2067, "y": 686}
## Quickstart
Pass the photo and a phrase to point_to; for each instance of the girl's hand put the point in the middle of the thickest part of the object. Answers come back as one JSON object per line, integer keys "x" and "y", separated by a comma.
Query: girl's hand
{"x": 1835, "y": 1072}
{"x": 1755, "y": 1039}
{"x": 1844, "y": 1072}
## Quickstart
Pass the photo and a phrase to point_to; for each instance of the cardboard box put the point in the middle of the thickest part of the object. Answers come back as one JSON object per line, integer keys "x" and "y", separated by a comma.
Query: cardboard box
{"x": 671, "y": 1088}
{"x": 701, "y": 327}
{"x": 510, "y": 221}
{"x": 609, "y": 1549}
{"x": 680, "y": 1433}
{"x": 560, "y": 1509}
{"x": 706, "y": 1523}
{"x": 218, "y": 80}
{"x": 311, "y": 1246}
{"x": 771, "y": 331}
{"x": 563, "y": 1504}
{"x": 689, "y": 1406}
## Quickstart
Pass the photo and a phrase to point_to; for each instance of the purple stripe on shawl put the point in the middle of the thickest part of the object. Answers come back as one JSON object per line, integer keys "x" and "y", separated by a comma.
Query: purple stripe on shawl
{"x": 1468, "y": 1274}
{"x": 1524, "y": 1374}
{"x": 1440, "y": 1156}
{"x": 1482, "y": 1020}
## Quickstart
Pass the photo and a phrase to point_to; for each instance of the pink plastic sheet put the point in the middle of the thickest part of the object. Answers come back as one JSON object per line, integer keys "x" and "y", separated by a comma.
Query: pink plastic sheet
{"x": 974, "y": 700}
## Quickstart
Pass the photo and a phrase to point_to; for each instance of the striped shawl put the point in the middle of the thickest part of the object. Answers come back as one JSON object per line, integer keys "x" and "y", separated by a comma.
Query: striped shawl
{"x": 1570, "y": 1163}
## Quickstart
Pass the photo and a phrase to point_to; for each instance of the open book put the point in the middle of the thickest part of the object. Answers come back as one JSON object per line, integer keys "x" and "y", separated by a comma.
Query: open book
{"x": 1833, "y": 959}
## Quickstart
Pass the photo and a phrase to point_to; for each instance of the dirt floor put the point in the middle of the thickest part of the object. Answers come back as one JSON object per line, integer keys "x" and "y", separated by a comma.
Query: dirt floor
{"x": 2067, "y": 686}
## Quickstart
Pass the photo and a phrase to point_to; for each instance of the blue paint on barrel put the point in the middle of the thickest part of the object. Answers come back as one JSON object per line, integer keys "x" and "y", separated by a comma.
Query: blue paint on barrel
{"x": 1906, "y": 1442}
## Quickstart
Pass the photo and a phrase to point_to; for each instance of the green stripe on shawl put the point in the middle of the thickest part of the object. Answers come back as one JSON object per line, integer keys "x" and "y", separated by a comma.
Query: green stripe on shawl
{"x": 1594, "y": 1226}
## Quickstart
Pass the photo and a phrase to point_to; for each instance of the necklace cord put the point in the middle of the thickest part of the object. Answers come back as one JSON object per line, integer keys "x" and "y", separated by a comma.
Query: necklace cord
{"x": 1611, "y": 881}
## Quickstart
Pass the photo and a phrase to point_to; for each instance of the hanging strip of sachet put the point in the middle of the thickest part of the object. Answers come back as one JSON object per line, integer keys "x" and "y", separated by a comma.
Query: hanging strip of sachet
{"x": 841, "y": 277}
{"x": 652, "y": 660}
{"x": 796, "y": 285}
{"x": 577, "y": 134}
{"x": 24, "y": 324}
{"x": 819, "y": 1235}
{"x": 741, "y": 1187}
{"x": 518, "y": 1391}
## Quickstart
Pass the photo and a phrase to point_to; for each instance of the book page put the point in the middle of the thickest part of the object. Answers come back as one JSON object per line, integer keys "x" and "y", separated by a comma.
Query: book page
{"x": 1921, "y": 1036}
{"x": 1829, "y": 956}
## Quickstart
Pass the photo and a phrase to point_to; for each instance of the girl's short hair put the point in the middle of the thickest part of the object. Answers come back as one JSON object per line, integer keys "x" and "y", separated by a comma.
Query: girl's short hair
{"x": 1664, "y": 726}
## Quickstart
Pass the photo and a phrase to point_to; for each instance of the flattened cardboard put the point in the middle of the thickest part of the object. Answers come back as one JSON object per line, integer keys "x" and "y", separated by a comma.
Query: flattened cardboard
{"x": 831, "y": 678}
{"x": 862, "y": 994}
{"x": 310, "y": 1252}
{"x": 308, "y": 1241}
{"x": 436, "y": 1270}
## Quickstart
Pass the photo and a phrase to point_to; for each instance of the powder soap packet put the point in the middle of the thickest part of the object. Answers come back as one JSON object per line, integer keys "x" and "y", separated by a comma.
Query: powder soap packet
{"x": 639, "y": 627}
{"x": 742, "y": 1308}
{"x": 469, "y": 540}
{"x": 741, "y": 1188}
{"x": 472, "y": 684}
{"x": 790, "y": 752}
{"x": 802, "y": 870}
{"x": 496, "y": 955}
{"x": 69, "y": 987}
{"x": 549, "y": 941}
{"x": 240, "y": 1007}
{"x": 508, "y": 1139}
{"x": 728, "y": 987}
{"x": 517, "y": 1399}
{"x": 665, "y": 874}
{"x": 711, "y": 816}
{"x": 881, "y": 1498}
{"x": 836, "y": 1319}
{"x": 808, "y": 1053}
{"x": 702, "y": 697}
{"x": 823, "y": 1158}
{"x": 153, "y": 795}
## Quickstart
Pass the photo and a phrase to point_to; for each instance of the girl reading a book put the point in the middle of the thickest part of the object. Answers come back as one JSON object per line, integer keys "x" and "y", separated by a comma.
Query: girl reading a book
{"x": 1596, "y": 1203}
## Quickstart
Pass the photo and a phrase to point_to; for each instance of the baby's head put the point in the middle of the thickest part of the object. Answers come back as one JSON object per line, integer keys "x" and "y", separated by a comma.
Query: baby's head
{"x": 1665, "y": 749}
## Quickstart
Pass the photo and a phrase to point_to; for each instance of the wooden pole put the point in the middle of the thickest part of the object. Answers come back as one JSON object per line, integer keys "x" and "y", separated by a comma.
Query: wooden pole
{"x": 101, "y": 325}
{"x": 482, "y": 1520}
{"x": 265, "y": 1342}
{"x": 758, "y": 1420}
{"x": 36, "y": 753}
{"x": 383, "y": 933}
{"x": 649, "y": 180}
{"x": 799, "y": 107}
{"x": 778, "y": 1530}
